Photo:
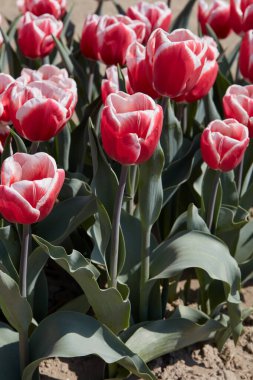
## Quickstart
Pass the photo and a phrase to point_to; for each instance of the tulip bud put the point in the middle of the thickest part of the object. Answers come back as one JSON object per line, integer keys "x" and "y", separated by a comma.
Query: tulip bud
{"x": 182, "y": 65}
{"x": 56, "y": 8}
{"x": 156, "y": 15}
{"x": 131, "y": 126}
{"x": 241, "y": 15}
{"x": 35, "y": 34}
{"x": 29, "y": 187}
{"x": 106, "y": 38}
{"x": 245, "y": 56}
{"x": 223, "y": 144}
{"x": 217, "y": 15}
{"x": 238, "y": 104}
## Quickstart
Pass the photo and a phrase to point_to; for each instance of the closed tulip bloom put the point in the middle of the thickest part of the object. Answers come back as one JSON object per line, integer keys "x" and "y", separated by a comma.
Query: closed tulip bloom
{"x": 40, "y": 109}
{"x": 35, "y": 34}
{"x": 139, "y": 76}
{"x": 29, "y": 187}
{"x": 131, "y": 126}
{"x": 56, "y": 8}
{"x": 217, "y": 15}
{"x": 246, "y": 56}
{"x": 241, "y": 15}
{"x": 111, "y": 84}
{"x": 238, "y": 104}
{"x": 106, "y": 38}
{"x": 176, "y": 62}
{"x": 223, "y": 144}
{"x": 156, "y": 15}
{"x": 4, "y": 133}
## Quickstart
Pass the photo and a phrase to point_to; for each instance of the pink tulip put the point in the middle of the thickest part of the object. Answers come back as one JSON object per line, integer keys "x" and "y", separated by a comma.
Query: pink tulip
{"x": 223, "y": 144}
{"x": 217, "y": 15}
{"x": 56, "y": 8}
{"x": 111, "y": 84}
{"x": 29, "y": 187}
{"x": 40, "y": 109}
{"x": 139, "y": 76}
{"x": 178, "y": 61}
{"x": 246, "y": 56}
{"x": 5, "y": 82}
{"x": 238, "y": 104}
{"x": 156, "y": 15}
{"x": 131, "y": 126}
{"x": 35, "y": 34}
{"x": 4, "y": 133}
{"x": 106, "y": 38}
{"x": 241, "y": 15}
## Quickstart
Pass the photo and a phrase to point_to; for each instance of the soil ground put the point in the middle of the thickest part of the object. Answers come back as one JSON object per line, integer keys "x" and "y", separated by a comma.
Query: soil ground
{"x": 202, "y": 361}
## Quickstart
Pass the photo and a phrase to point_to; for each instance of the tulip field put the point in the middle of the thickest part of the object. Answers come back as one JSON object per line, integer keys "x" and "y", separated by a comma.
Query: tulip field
{"x": 126, "y": 190}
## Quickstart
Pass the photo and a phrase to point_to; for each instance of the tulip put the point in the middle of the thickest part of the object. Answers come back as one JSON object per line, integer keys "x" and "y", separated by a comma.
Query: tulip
{"x": 238, "y": 104}
{"x": 157, "y": 15}
{"x": 217, "y": 15}
{"x": 131, "y": 126}
{"x": 138, "y": 74}
{"x": 35, "y": 34}
{"x": 4, "y": 133}
{"x": 177, "y": 61}
{"x": 56, "y": 8}
{"x": 223, "y": 144}
{"x": 39, "y": 110}
{"x": 245, "y": 56}
{"x": 106, "y": 38}
{"x": 241, "y": 15}
{"x": 111, "y": 84}
{"x": 5, "y": 82}
{"x": 29, "y": 187}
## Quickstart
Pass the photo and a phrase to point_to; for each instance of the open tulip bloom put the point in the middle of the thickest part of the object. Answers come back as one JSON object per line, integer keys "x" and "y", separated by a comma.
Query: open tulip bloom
{"x": 29, "y": 187}
{"x": 217, "y": 15}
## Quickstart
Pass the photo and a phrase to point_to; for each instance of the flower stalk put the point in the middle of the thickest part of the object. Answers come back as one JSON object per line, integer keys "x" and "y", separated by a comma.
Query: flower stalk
{"x": 114, "y": 256}
{"x": 145, "y": 263}
{"x": 211, "y": 206}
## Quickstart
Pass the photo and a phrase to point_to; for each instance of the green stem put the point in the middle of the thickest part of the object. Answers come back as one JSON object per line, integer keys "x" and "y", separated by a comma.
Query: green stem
{"x": 91, "y": 79}
{"x": 115, "y": 227}
{"x": 23, "y": 337}
{"x": 211, "y": 206}
{"x": 239, "y": 178}
{"x": 132, "y": 174}
{"x": 145, "y": 259}
{"x": 34, "y": 147}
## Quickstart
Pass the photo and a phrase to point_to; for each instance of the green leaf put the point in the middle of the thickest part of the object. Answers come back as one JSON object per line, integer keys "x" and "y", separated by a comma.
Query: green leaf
{"x": 65, "y": 218}
{"x": 199, "y": 250}
{"x": 182, "y": 19}
{"x": 70, "y": 334}
{"x": 10, "y": 251}
{"x": 19, "y": 142}
{"x": 104, "y": 183}
{"x": 108, "y": 305}
{"x": 187, "y": 326}
{"x": 244, "y": 249}
{"x": 210, "y": 177}
{"x": 150, "y": 188}
{"x": 229, "y": 190}
{"x": 211, "y": 112}
{"x": 179, "y": 171}
{"x": 63, "y": 142}
{"x": 12, "y": 58}
{"x": 172, "y": 135}
{"x": 65, "y": 56}
{"x": 15, "y": 308}
{"x": 9, "y": 353}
